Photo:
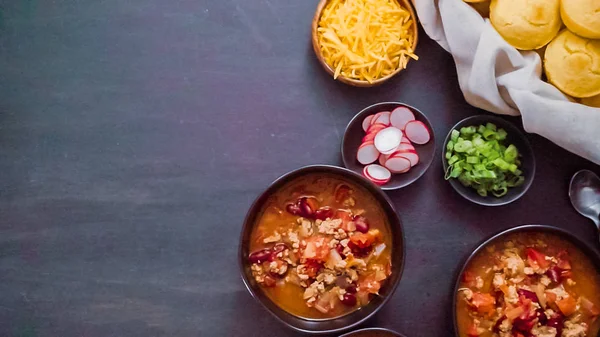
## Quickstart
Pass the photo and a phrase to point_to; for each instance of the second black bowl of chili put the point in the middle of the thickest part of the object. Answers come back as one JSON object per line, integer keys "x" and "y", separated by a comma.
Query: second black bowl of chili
{"x": 531, "y": 280}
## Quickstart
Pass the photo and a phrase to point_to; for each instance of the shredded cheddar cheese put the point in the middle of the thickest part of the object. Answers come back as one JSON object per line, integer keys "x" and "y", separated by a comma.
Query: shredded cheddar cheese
{"x": 366, "y": 39}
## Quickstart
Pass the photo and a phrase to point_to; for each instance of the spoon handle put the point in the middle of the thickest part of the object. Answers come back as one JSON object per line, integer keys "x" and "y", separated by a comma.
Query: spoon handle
{"x": 597, "y": 222}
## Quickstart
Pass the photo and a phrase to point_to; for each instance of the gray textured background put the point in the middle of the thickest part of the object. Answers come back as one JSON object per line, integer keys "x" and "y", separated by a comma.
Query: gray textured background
{"x": 135, "y": 134}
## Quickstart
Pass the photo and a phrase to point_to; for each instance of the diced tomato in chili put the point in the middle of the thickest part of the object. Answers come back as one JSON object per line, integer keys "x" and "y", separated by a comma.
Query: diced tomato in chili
{"x": 564, "y": 264}
{"x": 269, "y": 281}
{"x": 535, "y": 257}
{"x": 472, "y": 330}
{"x": 362, "y": 240}
{"x": 563, "y": 260}
{"x": 345, "y": 216}
{"x": 369, "y": 284}
{"x": 567, "y": 305}
{"x": 468, "y": 276}
{"x": 317, "y": 248}
{"x": 484, "y": 303}
{"x": 312, "y": 268}
{"x": 342, "y": 193}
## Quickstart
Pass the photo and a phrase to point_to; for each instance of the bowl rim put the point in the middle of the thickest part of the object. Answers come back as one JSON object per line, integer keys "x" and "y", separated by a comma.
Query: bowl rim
{"x": 255, "y": 206}
{"x": 351, "y": 333}
{"x": 372, "y": 106}
{"x": 494, "y": 119}
{"x": 588, "y": 251}
{"x": 350, "y": 81}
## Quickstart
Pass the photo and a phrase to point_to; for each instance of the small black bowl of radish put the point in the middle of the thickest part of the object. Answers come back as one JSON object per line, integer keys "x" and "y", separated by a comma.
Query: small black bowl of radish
{"x": 392, "y": 144}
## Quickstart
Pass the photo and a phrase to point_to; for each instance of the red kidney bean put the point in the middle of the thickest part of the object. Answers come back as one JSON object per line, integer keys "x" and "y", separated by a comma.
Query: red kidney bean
{"x": 278, "y": 248}
{"x": 557, "y": 320}
{"x": 528, "y": 294}
{"x": 541, "y": 316}
{"x": 293, "y": 209}
{"x": 359, "y": 252}
{"x": 525, "y": 322}
{"x": 324, "y": 213}
{"x": 554, "y": 274}
{"x": 261, "y": 256}
{"x": 351, "y": 289}
{"x": 305, "y": 209}
{"x": 361, "y": 223}
{"x": 313, "y": 203}
{"x": 349, "y": 299}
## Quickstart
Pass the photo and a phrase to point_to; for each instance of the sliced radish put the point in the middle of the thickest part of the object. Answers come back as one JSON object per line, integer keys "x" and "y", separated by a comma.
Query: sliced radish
{"x": 377, "y": 174}
{"x": 366, "y": 174}
{"x": 405, "y": 141}
{"x": 417, "y": 132}
{"x": 398, "y": 164}
{"x": 412, "y": 156}
{"x": 401, "y": 116}
{"x": 376, "y": 127}
{"x": 382, "y": 159}
{"x": 367, "y": 153}
{"x": 378, "y": 182}
{"x": 388, "y": 140}
{"x": 374, "y": 119}
{"x": 405, "y": 147}
{"x": 382, "y": 117}
{"x": 369, "y": 137}
{"x": 367, "y": 122}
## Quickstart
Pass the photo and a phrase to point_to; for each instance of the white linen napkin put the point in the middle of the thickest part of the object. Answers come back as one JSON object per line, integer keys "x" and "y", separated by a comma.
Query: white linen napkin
{"x": 496, "y": 77}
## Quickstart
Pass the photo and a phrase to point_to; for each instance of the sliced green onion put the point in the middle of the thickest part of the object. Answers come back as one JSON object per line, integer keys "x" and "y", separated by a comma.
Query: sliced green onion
{"x": 478, "y": 158}
{"x": 463, "y": 146}
{"x": 454, "y": 135}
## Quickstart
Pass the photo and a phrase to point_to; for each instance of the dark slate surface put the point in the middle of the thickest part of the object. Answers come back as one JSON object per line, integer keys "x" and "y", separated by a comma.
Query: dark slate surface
{"x": 135, "y": 134}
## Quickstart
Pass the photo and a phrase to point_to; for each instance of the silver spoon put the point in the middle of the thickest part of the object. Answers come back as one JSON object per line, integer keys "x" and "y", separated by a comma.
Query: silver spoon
{"x": 584, "y": 192}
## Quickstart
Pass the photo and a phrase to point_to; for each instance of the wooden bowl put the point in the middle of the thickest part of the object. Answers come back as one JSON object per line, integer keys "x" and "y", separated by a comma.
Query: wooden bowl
{"x": 357, "y": 83}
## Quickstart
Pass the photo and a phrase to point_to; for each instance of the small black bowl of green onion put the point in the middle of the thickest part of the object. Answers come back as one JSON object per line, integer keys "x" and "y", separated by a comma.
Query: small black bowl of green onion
{"x": 488, "y": 161}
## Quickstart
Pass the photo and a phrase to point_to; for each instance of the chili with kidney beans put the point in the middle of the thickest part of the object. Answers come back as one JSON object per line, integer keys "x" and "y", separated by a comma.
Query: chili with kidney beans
{"x": 529, "y": 284}
{"x": 321, "y": 247}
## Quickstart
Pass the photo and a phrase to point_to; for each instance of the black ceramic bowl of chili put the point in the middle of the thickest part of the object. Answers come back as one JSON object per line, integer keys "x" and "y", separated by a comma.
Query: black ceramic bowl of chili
{"x": 530, "y": 280}
{"x": 372, "y": 332}
{"x": 274, "y": 277}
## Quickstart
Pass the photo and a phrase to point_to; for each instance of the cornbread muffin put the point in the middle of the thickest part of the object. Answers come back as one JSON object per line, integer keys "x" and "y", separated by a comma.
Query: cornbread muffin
{"x": 582, "y": 17}
{"x": 593, "y": 101}
{"x": 526, "y": 24}
{"x": 572, "y": 64}
{"x": 483, "y": 7}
